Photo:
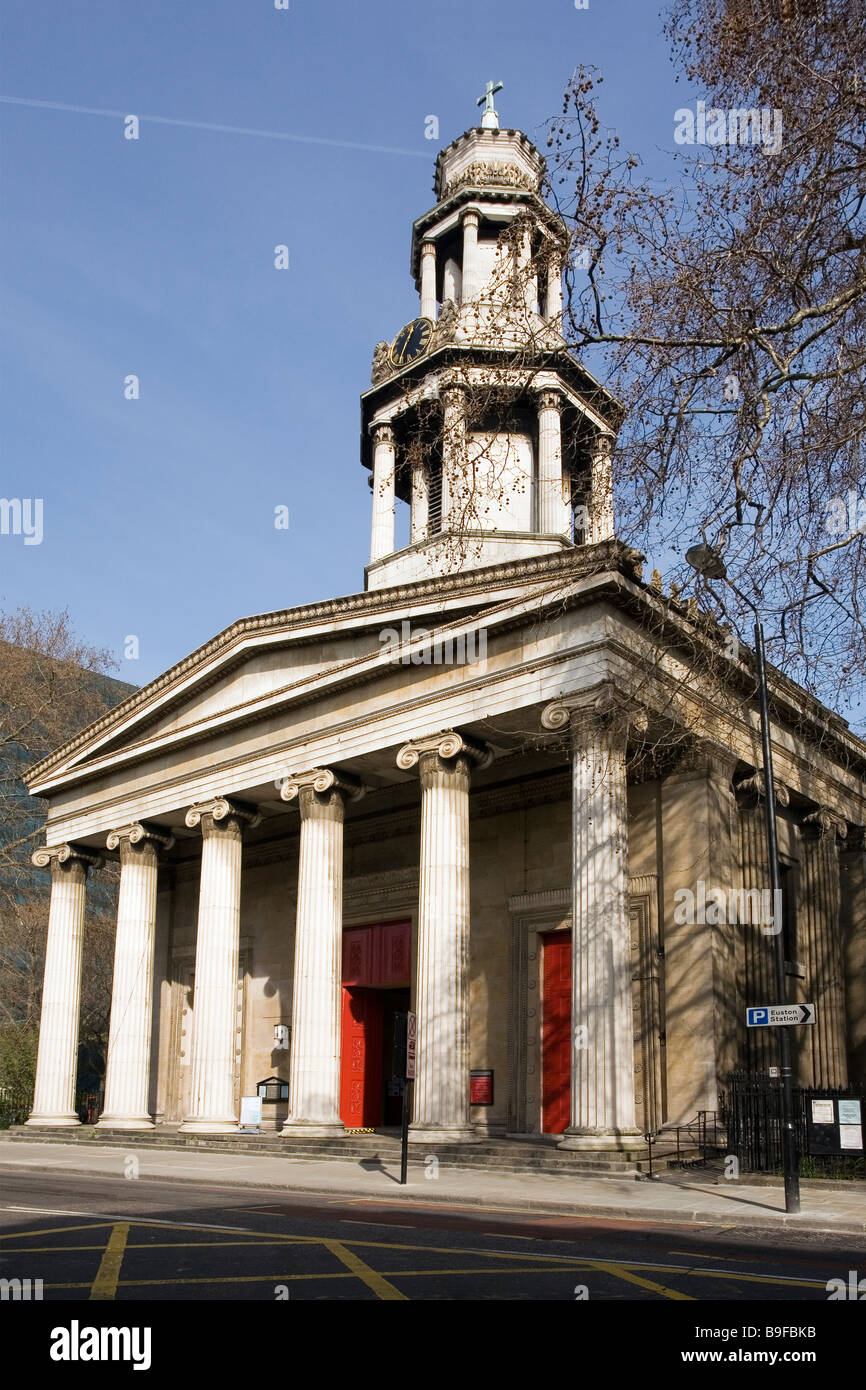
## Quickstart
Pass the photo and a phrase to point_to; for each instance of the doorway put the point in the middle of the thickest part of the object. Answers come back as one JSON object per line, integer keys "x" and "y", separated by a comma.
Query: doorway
{"x": 556, "y": 1032}
{"x": 649, "y": 1038}
{"x": 376, "y": 964}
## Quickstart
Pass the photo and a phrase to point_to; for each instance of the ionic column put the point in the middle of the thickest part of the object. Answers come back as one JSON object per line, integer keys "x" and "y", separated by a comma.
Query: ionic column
{"x": 554, "y": 291}
{"x": 428, "y": 280}
{"x": 212, "y": 1105}
{"x": 470, "y": 255}
{"x": 453, "y": 454}
{"x": 820, "y": 907}
{"x": 602, "y": 1059}
{"x": 528, "y": 273}
{"x": 601, "y": 491}
{"x": 441, "y": 1091}
{"x": 314, "y": 1075}
{"x": 127, "y": 1071}
{"x": 419, "y": 523}
{"x": 382, "y": 533}
{"x": 852, "y": 873}
{"x": 56, "y": 1065}
{"x": 554, "y": 516}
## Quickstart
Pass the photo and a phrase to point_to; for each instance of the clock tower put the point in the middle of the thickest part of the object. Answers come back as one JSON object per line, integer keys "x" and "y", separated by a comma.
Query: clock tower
{"x": 479, "y": 419}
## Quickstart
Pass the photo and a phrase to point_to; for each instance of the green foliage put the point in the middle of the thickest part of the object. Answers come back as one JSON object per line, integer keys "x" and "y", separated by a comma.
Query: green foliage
{"x": 17, "y": 1072}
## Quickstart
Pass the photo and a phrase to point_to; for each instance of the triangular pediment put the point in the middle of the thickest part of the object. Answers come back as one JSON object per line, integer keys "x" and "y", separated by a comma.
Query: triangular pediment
{"x": 264, "y": 665}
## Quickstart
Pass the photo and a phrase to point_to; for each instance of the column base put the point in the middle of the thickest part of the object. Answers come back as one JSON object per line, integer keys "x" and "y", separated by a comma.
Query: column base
{"x": 54, "y": 1121}
{"x": 125, "y": 1122}
{"x": 195, "y": 1126}
{"x": 439, "y": 1134}
{"x": 603, "y": 1140}
{"x": 312, "y": 1129}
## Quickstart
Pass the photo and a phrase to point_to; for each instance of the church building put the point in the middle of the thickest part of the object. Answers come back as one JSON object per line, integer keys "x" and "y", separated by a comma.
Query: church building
{"x": 509, "y": 787}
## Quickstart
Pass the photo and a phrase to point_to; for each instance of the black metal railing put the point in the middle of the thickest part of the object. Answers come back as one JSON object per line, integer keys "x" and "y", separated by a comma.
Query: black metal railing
{"x": 684, "y": 1145}
{"x": 751, "y": 1110}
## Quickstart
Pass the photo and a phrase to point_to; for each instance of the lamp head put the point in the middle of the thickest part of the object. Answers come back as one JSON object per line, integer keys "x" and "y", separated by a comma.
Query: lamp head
{"x": 707, "y": 561}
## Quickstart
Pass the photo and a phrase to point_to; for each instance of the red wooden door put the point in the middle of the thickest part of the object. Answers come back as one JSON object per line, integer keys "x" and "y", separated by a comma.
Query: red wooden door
{"x": 361, "y": 1058}
{"x": 556, "y": 1033}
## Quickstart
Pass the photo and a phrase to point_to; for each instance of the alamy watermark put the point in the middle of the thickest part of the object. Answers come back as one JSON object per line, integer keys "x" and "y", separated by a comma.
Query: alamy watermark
{"x": 22, "y": 516}
{"x": 846, "y": 515}
{"x": 21, "y": 1290}
{"x": 735, "y": 126}
{"x": 462, "y": 649}
{"x": 731, "y": 907}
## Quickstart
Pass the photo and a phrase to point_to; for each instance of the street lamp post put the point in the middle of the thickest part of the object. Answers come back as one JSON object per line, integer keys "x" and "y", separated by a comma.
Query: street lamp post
{"x": 708, "y": 562}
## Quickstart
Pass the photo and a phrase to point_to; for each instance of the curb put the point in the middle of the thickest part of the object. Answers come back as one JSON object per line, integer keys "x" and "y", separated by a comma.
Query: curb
{"x": 815, "y": 1225}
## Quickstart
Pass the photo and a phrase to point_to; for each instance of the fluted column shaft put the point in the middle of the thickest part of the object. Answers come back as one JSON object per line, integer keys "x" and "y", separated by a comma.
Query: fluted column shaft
{"x": 453, "y": 455}
{"x": 314, "y": 1077}
{"x": 470, "y": 255}
{"x": 602, "y": 1057}
{"x": 56, "y": 1065}
{"x": 428, "y": 280}
{"x": 127, "y": 1072}
{"x": 441, "y": 1092}
{"x": 601, "y": 491}
{"x": 820, "y": 899}
{"x": 554, "y": 292}
{"x": 212, "y": 1103}
{"x": 441, "y": 1099}
{"x": 382, "y": 530}
{"x": 528, "y": 273}
{"x": 554, "y": 515}
{"x": 852, "y": 874}
{"x": 420, "y": 515}
{"x": 602, "y": 1072}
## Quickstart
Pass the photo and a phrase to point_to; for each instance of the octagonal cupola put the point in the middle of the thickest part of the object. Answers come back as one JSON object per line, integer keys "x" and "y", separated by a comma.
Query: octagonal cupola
{"x": 479, "y": 420}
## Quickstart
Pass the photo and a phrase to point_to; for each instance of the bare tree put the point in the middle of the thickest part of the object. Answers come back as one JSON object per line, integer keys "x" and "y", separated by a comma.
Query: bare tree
{"x": 726, "y": 312}
{"x": 52, "y": 684}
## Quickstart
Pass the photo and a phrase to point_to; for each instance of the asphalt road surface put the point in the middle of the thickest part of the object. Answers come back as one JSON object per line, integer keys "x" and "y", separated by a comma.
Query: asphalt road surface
{"x": 98, "y": 1239}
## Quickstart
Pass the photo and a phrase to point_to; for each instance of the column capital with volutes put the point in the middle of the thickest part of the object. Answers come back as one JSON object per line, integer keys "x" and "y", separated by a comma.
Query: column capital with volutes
{"x": 549, "y": 398}
{"x": 51, "y": 856}
{"x": 755, "y": 789}
{"x": 604, "y": 708}
{"x": 448, "y": 745}
{"x": 140, "y": 835}
{"x": 824, "y": 824}
{"x": 320, "y": 786}
{"x": 222, "y": 812}
{"x": 382, "y": 433}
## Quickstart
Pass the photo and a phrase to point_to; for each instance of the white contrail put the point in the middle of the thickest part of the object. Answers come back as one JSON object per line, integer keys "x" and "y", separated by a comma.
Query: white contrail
{"x": 211, "y": 125}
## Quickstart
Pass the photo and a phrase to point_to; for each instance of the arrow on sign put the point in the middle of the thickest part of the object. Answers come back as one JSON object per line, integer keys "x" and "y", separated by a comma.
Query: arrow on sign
{"x": 807, "y": 1013}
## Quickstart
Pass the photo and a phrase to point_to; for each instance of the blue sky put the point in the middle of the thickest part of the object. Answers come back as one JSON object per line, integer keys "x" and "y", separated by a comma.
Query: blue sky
{"x": 155, "y": 257}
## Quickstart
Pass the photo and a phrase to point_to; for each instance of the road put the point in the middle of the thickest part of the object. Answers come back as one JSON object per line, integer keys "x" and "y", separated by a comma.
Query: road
{"x": 99, "y": 1238}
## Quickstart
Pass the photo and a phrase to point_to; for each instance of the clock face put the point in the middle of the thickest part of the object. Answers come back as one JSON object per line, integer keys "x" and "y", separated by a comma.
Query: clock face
{"x": 411, "y": 342}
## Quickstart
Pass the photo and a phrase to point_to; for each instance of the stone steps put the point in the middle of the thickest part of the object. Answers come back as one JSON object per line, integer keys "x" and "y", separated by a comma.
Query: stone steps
{"x": 501, "y": 1156}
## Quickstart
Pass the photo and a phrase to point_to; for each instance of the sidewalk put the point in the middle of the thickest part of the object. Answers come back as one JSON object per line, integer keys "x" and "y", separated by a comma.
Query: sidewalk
{"x": 693, "y": 1197}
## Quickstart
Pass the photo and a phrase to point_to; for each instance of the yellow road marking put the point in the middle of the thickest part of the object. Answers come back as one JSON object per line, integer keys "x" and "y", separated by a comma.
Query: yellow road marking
{"x": 622, "y": 1273}
{"x": 105, "y": 1284}
{"x": 377, "y": 1282}
{"x": 54, "y": 1231}
{"x": 621, "y": 1269}
{"x": 334, "y": 1274}
{"x": 690, "y": 1254}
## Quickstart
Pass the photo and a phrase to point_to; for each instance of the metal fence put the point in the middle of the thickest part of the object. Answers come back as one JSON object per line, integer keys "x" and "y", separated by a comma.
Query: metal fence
{"x": 751, "y": 1109}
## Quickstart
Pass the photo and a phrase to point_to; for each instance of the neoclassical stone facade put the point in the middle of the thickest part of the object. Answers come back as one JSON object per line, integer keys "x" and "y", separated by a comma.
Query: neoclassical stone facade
{"x": 319, "y": 828}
